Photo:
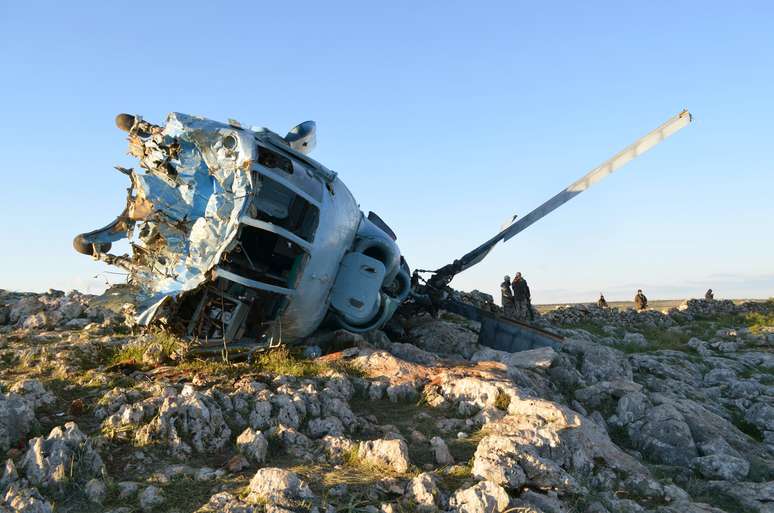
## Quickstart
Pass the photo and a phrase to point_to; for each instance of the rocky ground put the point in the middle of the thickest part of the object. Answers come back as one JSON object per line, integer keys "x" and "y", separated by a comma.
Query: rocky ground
{"x": 659, "y": 412}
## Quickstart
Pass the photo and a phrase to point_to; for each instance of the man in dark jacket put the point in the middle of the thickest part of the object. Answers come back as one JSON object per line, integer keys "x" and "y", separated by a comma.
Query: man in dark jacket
{"x": 709, "y": 296}
{"x": 521, "y": 298}
{"x": 640, "y": 301}
{"x": 507, "y": 297}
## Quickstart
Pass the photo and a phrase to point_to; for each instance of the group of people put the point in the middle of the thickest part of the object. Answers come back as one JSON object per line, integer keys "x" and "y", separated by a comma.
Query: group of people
{"x": 517, "y": 302}
{"x": 641, "y": 302}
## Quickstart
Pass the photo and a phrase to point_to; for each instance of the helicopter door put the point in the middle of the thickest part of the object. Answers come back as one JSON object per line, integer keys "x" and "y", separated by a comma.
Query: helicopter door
{"x": 356, "y": 292}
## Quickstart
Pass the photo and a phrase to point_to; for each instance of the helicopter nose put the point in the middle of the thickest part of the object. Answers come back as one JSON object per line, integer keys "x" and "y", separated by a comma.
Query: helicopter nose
{"x": 125, "y": 122}
{"x": 84, "y": 247}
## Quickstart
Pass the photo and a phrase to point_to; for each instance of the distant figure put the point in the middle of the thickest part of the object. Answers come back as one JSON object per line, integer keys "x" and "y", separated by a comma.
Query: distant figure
{"x": 640, "y": 301}
{"x": 507, "y": 297}
{"x": 601, "y": 302}
{"x": 414, "y": 280}
{"x": 709, "y": 296}
{"x": 522, "y": 300}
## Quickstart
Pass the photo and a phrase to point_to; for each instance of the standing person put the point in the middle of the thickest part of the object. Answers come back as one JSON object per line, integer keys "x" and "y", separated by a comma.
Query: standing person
{"x": 640, "y": 301}
{"x": 521, "y": 298}
{"x": 507, "y": 297}
{"x": 601, "y": 302}
{"x": 709, "y": 296}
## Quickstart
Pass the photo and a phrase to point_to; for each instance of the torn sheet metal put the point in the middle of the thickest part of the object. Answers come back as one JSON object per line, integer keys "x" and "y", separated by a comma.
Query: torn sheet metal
{"x": 183, "y": 211}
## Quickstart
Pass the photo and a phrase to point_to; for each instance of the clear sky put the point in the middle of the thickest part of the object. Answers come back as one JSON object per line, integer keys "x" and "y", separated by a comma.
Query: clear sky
{"x": 445, "y": 118}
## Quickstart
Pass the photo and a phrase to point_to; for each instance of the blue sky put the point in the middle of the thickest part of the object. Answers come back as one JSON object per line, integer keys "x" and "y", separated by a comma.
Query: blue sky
{"x": 445, "y": 118}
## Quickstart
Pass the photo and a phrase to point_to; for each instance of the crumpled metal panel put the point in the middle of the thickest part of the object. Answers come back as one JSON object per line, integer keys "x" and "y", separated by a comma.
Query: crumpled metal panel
{"x": 184, "y": 209}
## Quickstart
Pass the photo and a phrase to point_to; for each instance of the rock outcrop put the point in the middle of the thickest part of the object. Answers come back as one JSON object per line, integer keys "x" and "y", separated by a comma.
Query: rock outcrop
{"x": 647, "y": 412}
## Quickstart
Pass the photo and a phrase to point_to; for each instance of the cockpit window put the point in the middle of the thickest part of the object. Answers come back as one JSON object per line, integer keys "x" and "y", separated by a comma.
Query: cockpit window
{"x": 280, "y": 206}
{"x": 273, "y": 160}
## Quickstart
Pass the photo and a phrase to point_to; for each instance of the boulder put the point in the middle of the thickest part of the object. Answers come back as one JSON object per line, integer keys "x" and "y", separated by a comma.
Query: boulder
{"x": 186, "y": 422}
{"x": 65, "y": 455}
{"x": 722, "y": 466}
{"x": 25, "y": 307}
{"x": 540, "y": 358}
{"x": 253, "y": 445}
{"x": 636, "y": 340}
{"x": 34, "y": 392}
{"x": 664, "y": 436}
{"x": 24, "y": 499}
{"x": 502, "y": 460}
{"x": 150, "y": 498}
{"x": 387, "y": 454}
{"x": 445, "y": 338}
{"x": 483, "y": 497}
{"x": 16, "y": 419}
{"x": 95, "y": 490}
{"x": 441, "y": 451}
{"x": 277, "y": 486}
{"x": 423, "y": 491}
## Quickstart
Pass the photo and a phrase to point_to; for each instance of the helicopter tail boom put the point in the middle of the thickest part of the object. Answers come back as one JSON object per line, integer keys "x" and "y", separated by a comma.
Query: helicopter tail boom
{"x": 620, "y": 159}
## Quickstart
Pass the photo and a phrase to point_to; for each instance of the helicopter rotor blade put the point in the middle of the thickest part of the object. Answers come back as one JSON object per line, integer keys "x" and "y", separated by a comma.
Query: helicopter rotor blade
{"x": 620, "y": 159}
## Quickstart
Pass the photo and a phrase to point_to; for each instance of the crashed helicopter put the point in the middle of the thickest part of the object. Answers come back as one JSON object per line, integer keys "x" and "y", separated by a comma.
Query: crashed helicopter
{"x": 240, "y": 239}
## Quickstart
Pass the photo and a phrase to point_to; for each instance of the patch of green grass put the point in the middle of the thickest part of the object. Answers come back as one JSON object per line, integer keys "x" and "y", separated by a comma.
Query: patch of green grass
{"x": 699, "y": 492}
{"x": 186, "y": 493}
{"x": 764, "y": 375}
{"x": 746, "y": 427}
{"x": 406, "y": 416}
{"x": 358, "y": 475}
{"x": 659, "y": 338}
{"x": 758, "y": 322}
{"x": 619, "y": 435}
{"x": 171, "y": 348}
{"x": 452, "y": 478}
{"x": 463, "y": 449}
{"x": 283, "y": 361}
{"x": 287, "y": 362}
{"x": 590, "y": 326}
{"x": 216, "y": 368}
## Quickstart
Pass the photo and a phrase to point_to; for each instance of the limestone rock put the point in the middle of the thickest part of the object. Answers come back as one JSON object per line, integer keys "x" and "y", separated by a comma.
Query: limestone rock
{"x": 253, "y": 445}
{"x": 444, "y": 337}
{"x": 441, "y": 451}
{"x": 483, "y": 497}
{"x": 95, "y": 490}
{"x": 503, "y": 461}
{"x": 722, "y": 466}
{"x": 388, "y": 454}
{"x": 33, "y": 391}
{"x": 64, "y": 455}
{"x": 16, "y": 418}
{"x": 636, "y": 339}
{"x": 24, "y": 499}
{"x": 540, "y": 358}
{"x": 423, "y": 491}
{"x": 277, "y": 486}
{"x": 150, "y": 498}
{"x": 664, "y": 436}
{"x": 186, "y": 422}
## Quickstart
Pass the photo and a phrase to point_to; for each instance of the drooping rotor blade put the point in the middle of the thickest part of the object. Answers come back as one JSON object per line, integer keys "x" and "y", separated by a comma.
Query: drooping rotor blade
{"x": 621, "y": 158}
